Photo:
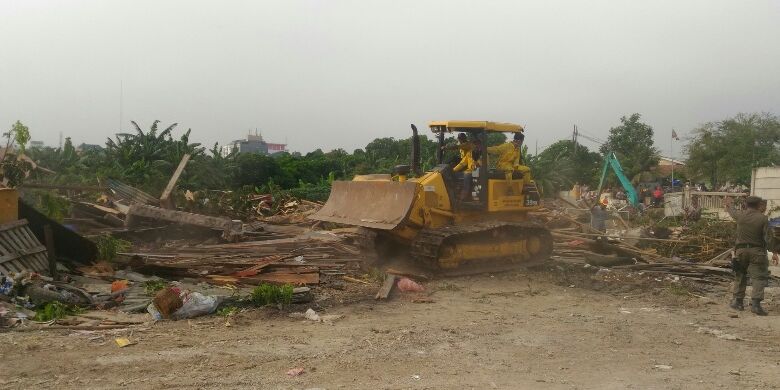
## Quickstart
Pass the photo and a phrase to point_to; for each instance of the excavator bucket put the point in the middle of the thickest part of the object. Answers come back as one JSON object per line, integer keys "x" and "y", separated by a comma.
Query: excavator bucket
{"x": 373, "y": 204}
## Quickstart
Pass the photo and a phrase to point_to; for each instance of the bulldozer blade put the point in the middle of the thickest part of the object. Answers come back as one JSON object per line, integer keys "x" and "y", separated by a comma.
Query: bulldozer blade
{"x": 372, "y": 204}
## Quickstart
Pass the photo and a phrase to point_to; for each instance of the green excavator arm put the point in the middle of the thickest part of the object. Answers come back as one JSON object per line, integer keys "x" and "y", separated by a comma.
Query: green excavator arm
{"x": 611, "y": 161}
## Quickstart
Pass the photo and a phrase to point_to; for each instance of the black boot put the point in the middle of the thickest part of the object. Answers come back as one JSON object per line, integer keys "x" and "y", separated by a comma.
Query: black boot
{"x": 756, "y": 308}
{"x": 738, "y": 304}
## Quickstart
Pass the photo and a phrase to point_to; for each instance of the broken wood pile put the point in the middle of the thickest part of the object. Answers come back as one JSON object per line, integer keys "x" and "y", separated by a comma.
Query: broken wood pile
{"x": 299, "y": 261}
{"x": 698, "y": 242}
{"x": 682, "y": 252}
{"x": 294, "y": 212}
{"x": 697, "y": 272}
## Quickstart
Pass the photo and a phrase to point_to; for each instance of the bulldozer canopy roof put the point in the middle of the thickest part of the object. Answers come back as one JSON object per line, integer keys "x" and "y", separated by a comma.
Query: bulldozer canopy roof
{"x": 438, "y": 126}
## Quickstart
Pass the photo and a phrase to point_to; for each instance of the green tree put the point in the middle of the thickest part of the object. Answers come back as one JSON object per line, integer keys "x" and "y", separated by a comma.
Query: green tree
{"x": 728, "y": 150}
{"x": 632, "y": 141}
{"x": 20, "y": 134}
{"x": 585, "y": 165}
{"x": 255, "y": 170}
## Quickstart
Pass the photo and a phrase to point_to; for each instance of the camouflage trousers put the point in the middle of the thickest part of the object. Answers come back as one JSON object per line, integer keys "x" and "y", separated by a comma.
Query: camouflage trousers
{"x": 750, "y": 262}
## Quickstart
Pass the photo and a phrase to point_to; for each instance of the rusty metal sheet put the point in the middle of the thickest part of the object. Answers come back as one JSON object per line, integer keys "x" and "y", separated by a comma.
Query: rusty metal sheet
{"x": 373, "y": 204}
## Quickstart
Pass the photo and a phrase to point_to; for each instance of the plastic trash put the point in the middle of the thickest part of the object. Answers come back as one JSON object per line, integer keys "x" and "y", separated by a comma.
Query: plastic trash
{"x": 311, "y": 315}
{"x": 6, "y": 285}
{"x": 154, "y": 312}
{"x": 195, "y": 305}
{"x": 296, "y": 371}
{"x": 409, "y": 285}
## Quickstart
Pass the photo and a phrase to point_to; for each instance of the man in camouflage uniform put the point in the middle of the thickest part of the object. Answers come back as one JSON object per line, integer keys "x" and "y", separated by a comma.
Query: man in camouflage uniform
{"x": 753, "y": 238}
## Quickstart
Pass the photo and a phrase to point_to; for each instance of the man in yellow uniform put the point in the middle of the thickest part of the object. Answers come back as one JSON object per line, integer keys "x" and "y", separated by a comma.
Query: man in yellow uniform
{"x": 509, "y": 159}
{"x": 466, "y": 164}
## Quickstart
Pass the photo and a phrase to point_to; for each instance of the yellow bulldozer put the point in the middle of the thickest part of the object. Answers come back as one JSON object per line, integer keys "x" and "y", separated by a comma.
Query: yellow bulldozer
{"x": 425, "y": 218}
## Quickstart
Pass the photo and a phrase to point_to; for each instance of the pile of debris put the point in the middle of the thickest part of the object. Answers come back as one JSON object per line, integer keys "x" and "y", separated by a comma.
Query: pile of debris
{"x": 294, "y": 212}
{"x": 302, "y": 260}
{"x": 697, "y": 251}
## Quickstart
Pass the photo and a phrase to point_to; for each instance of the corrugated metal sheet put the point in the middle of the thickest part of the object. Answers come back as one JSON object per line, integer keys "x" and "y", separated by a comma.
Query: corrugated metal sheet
{"x": 131, "y": 194}
{"x": 20, "y": 250}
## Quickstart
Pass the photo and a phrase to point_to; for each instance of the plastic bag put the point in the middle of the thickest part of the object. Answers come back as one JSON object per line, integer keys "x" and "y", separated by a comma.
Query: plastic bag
{"x": 196, "y": 304}
{"x": 409, "y": 285}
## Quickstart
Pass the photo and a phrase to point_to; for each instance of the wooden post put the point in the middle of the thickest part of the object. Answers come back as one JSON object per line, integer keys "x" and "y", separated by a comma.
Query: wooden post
{"x": 387, "y": 286}
{"x": 48, "y": 236}
{"x": 165, "y": 199}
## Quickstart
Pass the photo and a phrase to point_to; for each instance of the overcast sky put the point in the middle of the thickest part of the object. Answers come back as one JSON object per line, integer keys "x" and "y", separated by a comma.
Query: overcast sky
{"x": 337, "y": 74}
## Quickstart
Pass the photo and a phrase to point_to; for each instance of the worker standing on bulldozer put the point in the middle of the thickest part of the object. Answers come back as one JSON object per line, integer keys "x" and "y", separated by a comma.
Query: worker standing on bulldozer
{"x": 510, "y": 158}
{"x": 466, "y": 164}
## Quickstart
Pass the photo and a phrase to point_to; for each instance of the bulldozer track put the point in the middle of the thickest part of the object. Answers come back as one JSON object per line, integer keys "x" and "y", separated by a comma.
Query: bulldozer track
{"x": 427, "y": 246}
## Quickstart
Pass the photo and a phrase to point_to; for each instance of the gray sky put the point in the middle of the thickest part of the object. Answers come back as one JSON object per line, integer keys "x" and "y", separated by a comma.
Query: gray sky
{"x": 333, "y": 74}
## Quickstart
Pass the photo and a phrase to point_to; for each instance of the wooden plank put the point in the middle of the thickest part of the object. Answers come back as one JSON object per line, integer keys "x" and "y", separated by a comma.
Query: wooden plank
{"x": 160, "y": 214}
{"x": 49, "y": 237}
{"x": 101, "y": 209}
{"x": 12, "y": 225}
{"x": 63, "y": 187}
{"x": 625, "y": 238}
{"x": 284, "y": 278}
{"x": 387, "y": 286}
{"x": 22, "y": 253}
{"x": 165, "y": 199}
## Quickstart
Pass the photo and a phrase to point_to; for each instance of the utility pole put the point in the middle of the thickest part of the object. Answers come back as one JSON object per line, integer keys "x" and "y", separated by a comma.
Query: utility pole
{"x": 121, "y": 99}
{"x": 671, "y": 155}
{"x": 574, "y": 136}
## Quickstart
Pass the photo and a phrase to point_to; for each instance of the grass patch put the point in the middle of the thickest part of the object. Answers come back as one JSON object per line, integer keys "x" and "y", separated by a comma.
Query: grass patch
{"x": 269, "y": 294}
{"x": 109, "y": 246}
{"x": 227, "y": 311}
{"x": 677, "y": 289}
{"x": 151, "y": 287}
{"x": 54, "y": 311}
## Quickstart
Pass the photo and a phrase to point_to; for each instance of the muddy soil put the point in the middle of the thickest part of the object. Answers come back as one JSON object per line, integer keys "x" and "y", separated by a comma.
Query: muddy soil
{"x": 552, "y": 328}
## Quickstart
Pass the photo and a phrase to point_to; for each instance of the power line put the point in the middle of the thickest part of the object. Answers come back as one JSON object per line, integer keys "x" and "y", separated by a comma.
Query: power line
{"x": 591, "y": 138}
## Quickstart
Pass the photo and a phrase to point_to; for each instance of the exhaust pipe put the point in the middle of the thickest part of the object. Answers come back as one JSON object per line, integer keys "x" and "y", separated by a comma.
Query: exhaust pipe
{"x": 416, "y": 168}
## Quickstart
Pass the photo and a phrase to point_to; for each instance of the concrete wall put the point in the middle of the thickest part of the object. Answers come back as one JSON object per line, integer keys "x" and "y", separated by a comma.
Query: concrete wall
{"x": 765, "y": 183}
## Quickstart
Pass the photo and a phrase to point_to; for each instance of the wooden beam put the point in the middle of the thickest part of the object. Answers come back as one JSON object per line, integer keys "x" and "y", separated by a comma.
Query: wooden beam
{"x": 49, "y": 238}
{"x": 387, "y": 286}
{"x": 63, "y": 187}
{"x": 141, "y": 210}
{"x": 165, "y": 200}
{"x": 625, "y": 238}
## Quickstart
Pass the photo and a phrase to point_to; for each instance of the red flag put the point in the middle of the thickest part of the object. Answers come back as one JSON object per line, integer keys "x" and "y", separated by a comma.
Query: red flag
{"x": 674, "y": 135}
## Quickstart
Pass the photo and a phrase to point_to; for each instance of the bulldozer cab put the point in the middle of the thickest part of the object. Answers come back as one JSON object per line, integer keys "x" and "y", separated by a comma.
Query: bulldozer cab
{"x": 491, "y": 189}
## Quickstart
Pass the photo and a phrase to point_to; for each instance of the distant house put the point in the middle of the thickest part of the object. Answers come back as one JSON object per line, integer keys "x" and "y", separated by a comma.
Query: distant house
{"x": 666, "y": 165}
{"x": 36, "y": 145}
{"x": 254, "y": 143}
{"x": 87, "y": 147}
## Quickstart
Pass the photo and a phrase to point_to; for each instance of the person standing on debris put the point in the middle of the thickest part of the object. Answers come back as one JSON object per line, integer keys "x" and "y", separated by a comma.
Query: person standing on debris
{"x": 658, "y": 196}
{"x": 753, "y": 239}
{"x": 575, "y": 191}
{"x": 599, "y": 216}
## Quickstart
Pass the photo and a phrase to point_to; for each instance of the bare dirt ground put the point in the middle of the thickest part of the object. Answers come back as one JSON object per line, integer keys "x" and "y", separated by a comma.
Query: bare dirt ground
{"x": 555, "y": 328}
